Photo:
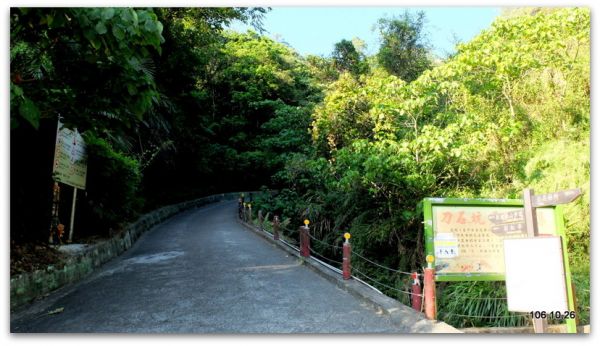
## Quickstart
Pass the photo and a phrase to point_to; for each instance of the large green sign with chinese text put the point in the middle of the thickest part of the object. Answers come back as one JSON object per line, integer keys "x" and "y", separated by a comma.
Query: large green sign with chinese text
{"x": 466, "y": 236}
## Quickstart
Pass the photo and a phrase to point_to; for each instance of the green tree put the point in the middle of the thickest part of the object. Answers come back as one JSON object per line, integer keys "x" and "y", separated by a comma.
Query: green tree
{"x": 92, "y": 66}
{"x": 403, "y": 51}
{"x": 189, "y": 120}
{"x": 347, "y": 59}
{"x": 267, "y": 94}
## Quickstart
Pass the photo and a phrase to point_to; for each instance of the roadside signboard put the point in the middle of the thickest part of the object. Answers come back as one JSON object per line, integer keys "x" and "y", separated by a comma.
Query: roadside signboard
{"x": 466, "y": 236}
{"x": 70, "y": 158}
{"x": 522, "y": 242}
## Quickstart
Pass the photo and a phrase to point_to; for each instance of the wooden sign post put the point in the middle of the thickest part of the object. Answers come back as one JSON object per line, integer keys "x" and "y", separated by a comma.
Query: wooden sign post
{"x": 70, "y": 164}
{"x": 530, "y": 203}
{"x": 540, "y": 325}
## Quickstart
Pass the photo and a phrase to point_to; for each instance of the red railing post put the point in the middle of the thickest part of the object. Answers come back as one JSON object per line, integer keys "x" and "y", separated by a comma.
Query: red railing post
{"x": 276, "y": 227}
{"x": 416, "y": 297}
{"x": 304, "y": 240}
{"x": 347, "y": 252}
{"x": 429, "y": 283}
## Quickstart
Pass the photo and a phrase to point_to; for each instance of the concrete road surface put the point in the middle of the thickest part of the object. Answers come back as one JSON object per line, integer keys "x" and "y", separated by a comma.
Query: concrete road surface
{"x": 201, "y": 272}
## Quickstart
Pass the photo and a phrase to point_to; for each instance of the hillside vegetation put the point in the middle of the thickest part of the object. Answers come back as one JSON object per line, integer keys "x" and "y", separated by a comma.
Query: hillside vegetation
{"x": 510, "y": 110}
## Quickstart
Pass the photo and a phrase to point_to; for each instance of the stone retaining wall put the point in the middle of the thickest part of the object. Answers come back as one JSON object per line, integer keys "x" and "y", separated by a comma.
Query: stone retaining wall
{"x": 26, "y": 287}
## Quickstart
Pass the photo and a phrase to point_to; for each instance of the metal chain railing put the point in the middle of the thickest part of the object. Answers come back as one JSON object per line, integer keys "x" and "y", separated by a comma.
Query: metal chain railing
{"x": 379, "y": 265}
{"x": 324, "y": 257}
{"x": 384, "y": 285}
{"x": 488, "y": 298}
{"x": 288, "y": 233}
{"x": 290, "y": 237}
{"x": 324, "y": 243}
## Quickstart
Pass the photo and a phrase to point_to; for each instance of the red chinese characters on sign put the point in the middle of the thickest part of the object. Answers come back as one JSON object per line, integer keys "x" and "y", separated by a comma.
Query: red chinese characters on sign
{"x": 447, "y": 217}
{"x": 463, "y": 218}
{"x": 476, "y": 218}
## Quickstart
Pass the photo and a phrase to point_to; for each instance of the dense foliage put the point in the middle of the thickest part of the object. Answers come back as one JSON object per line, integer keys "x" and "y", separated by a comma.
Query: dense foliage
{"x": 511, "y": 109}
{"x": 173, "y": 106}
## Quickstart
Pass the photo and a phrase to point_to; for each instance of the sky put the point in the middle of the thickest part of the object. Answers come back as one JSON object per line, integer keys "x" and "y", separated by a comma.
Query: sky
{"x": 314, "y": 30}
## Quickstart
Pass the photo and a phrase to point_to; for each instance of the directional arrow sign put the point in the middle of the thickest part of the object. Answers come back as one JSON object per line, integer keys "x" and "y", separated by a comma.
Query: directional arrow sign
{"x": 510, "y": 216}
{"x": 555, "y": 198}
{"x": 510, "y": 228}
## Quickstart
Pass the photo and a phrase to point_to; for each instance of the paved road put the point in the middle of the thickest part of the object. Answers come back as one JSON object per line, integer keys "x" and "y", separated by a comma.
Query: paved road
{"x": 201, "y": 272}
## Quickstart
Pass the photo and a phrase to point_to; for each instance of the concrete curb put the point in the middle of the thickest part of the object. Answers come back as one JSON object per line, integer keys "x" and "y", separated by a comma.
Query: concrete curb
{"x": 25, "y": 288}
{"x": 399, "y": 313}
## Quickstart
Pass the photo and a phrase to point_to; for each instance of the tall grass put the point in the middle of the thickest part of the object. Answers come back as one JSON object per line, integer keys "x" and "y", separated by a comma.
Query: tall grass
{"x": 476, "y": 304}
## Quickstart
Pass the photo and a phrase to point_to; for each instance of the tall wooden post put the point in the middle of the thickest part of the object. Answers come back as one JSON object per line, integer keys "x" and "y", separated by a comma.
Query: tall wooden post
{"x": 530, "y": 214}
{"x": 276, "y": 226}
{"x": 540, "y": 325}
{"x": 72, "y": 224}
{"x": 55, "y": 222}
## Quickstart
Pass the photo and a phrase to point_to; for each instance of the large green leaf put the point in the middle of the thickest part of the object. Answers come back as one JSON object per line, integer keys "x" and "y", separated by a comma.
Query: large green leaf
{"x": 101, "y": 28}
{"x": 117, "y": 32}
{"x": 15, "y": 91}
{"x": 30, "y": 112}
{"x": 108, "y": 13}
{"x": 150, "y": 25}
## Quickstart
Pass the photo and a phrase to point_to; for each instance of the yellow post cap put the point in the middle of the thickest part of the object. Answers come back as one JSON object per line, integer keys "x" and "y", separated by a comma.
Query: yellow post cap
{"x": 306, "y": 222}
{"x": 429, "y": 258}
{"x": 347, "y": 235}
{"x": 244, "y": 204}
{"x": 249, "y": 205}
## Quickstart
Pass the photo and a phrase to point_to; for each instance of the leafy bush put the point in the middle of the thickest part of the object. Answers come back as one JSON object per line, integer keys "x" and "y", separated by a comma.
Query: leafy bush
{"x": 113, "y": 180}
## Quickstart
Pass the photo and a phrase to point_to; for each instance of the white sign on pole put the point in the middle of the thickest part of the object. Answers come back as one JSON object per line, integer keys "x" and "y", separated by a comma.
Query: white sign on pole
{"x": 535, "y": 276}
{"x": 70, "y": 158}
